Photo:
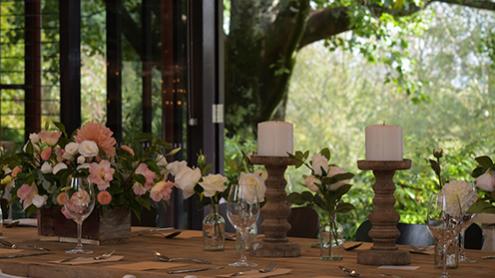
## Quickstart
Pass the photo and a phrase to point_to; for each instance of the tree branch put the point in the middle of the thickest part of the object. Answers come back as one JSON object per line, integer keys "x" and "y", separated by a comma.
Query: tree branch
{"x": 325, "y": 23}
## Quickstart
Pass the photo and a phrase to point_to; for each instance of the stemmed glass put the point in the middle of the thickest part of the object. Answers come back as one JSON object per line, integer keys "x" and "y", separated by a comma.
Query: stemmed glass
{"x": 466, "y": 218}
{"x": 79, "y": 205}
{"x": 442, "y": 227}
{"x": 242, "y": 211}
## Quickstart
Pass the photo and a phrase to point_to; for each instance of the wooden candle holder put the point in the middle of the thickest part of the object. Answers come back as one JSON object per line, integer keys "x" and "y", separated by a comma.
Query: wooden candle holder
{"x": 384, "y": 217}
{"x": 276, "y": 210}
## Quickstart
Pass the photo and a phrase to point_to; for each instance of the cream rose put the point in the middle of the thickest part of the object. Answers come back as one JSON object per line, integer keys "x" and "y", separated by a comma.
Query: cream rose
{"x": 319, "y": 162}
{"x": 486, "y": 181}
{"x": 253, "y": 187}
{"x": 81, "y": 159}
{"x": 39, "y": 200}
{"x": 59, "y": 167}
{"x": 34, "y": 138}
{"x": 332, "y": 171}
{"x": 176, "y": 167}
{"x": 311, "y": 183}
{"x": 161, "y": 160}
{"x": 71, "y": 148}
{"x": 213, "y": 184}
{"x": 88, "y": 148}
{"x": 46, "y": 168}
{"x": 186, "y": 180}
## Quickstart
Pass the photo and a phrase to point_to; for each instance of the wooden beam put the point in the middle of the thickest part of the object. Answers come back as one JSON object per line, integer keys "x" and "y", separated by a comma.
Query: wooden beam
{"x": 147, "y": 65}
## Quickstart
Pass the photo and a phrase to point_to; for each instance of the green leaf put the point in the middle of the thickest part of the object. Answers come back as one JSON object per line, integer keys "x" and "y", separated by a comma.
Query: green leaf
{"x": 478, "y": 171}
{"x": 342, "y": 190}
{"x": 173, "y": 152}
{"x": 60, "y": 127}
{"x": 296, "y": 198}
{"x": 336, "y": 178}
{"x": 485, "y": 161}
{"x": 482, "y": 207}
{"x": 140, "y": 178}
{"x": 344, "y": 207}
{"x": 326, "y": 153}
{"x": 307, "y": 196}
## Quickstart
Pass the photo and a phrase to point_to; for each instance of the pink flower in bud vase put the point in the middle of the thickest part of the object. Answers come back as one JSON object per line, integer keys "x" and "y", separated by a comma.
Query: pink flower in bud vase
{"x": 62, "y": 198}
{"x": 139, "y": 189}
{"x": 127, "y": 149}
{"x": 104, "y": 198}
{"x": 16, "y": 171}
{"x": 49, "y": 137}
{"x": 101, "y": 174}
{"x": 66, "y": 213}
{"x": 46, "y": 153}
{"x": 161, "y": 191}
{"x": 149, "y": 175}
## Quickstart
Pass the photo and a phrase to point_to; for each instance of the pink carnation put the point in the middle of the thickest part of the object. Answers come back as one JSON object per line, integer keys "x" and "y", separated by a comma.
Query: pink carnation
{"x": 100, "y": 134}
{"x": 161, "y": 191}
{"x": 49, "y": 137}
{"x": 104, "y": 198}
{"x": 16, "y": 171}
{"x": 101, "y": 174}
{"x": 139, "y": 189}
{"x": 46, "y": 153}
{"x": 149, "y": 175}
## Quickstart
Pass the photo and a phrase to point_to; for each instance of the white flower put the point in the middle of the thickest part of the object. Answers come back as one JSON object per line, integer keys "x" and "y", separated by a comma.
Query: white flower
{"x": 83, "y": 166}
{"x": 319, "y": 162}
{"x": 186, "y": 180}
{"x": 72, "y": 148}
{"x": 311, "y": 183}
{"x": 58, "y": 167}
{"x": 334, "y": 170}
{"x": 213, "y": 184}
{"x": 46, "y": 168}
{"x": 161, "y": 160}
{"x": 253, "y": 187}
{"x": 81, "y": 159}
{"x": 262, "y": 174}
{"x": 176, "y": 167}
{"x": 39, "y": 200}
{"x": 88, "y": 148}
{"x": 34, "y": 138}
{"x": 486, "y": 181}
{"x": 459, "y": 197}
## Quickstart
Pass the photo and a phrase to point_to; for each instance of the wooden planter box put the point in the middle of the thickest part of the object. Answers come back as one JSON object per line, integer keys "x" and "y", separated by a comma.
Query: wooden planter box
{"x": 105, "y": 226}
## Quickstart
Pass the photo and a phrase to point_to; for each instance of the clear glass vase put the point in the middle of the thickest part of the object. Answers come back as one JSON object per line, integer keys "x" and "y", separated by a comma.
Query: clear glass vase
{"x": 213, "y": 230}
{"x": 330, "y": 239}
{"x": 488, "y": 237}
{"x": 452, "y": 253}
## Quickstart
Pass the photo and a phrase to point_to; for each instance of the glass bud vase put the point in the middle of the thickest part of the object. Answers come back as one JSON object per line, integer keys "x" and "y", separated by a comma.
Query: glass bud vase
{"x": 489, "y": 237}
{"x": 329, "y": 240}
{"x": 213, "y": 230}
{"x": 452, "y": 254}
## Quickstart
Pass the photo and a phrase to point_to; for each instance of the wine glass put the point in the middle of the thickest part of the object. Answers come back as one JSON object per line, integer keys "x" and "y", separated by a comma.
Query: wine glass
{"x": 242, "y": 211}
{"x": 442, "y": 227}
{"x": 466, "y": 219}
{"x": 79, "y": 205}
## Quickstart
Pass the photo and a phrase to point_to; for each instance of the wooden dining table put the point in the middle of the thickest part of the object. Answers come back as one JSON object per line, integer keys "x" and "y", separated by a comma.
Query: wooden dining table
{"x": 140, "y": 248}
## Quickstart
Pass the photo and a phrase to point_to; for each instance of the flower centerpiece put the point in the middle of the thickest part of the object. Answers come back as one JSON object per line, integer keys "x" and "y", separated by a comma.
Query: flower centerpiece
{"x": 327, "y": 184}
{"x": 125, "y": 177}
{"x": 484, "y": 173}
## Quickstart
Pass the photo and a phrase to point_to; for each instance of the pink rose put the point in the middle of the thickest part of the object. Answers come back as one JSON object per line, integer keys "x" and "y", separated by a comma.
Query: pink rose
{"x": 46, "y": 153}
{"x": 101, "y": 174}
{"x": 104, "y": 198}
{"x": 139, "y": 189}
{"x": 16, "y": 171}
{"x": 149, "y": 175}
{"x": 66, "y": 213}
{"x": 161, "y": 191}
{"x": 49, "y": 137}
{"x": 24, "y": 191}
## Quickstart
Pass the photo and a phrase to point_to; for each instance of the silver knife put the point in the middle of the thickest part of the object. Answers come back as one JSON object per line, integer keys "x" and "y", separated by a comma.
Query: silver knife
{"x": 7, "y": 243}
{"x": 12, "y": 256}
{"x": 188, "y": 270}
{"x": 488, "y": 257}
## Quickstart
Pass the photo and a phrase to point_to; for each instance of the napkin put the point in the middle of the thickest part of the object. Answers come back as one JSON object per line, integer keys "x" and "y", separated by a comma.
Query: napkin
{"x": 399, "y": 267}
{"x": 147, "y": 265}
{"x": 88, "y": 260}
{"x": 428, "y": 250}
{"x": 257, "y": 274}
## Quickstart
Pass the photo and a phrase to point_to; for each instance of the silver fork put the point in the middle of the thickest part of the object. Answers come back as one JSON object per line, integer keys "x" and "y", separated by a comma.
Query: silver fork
{"x": 96, "y": 258}
{"x": 269, "y": 268}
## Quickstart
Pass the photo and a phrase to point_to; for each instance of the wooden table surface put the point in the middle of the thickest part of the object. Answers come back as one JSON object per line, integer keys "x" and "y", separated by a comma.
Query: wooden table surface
{"x": 189, "y": 243}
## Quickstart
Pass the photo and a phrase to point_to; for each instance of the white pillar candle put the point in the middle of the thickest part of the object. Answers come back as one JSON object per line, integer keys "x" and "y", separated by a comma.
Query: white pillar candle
{"x": 275, "y": 138}
{"x": 383, "y": 143}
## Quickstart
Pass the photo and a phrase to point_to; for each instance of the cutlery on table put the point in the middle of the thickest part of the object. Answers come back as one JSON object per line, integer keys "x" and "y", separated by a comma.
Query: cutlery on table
{"x": 179, "y": 271}
{"x": 349, "y": 272}
{"x": 389, "y": 275}
{"x": 271, "y": 267}
{"x": 488, "y": 257}
{"x": 172, "y": 234}
{"x": 11, "y": 224}
{"x": 348, "y": 246}
{"x": 17, "y": 255}
{"x": 164, "y": 258}
{"x": 7, "y": 243}
{"x": 96, "y": 258}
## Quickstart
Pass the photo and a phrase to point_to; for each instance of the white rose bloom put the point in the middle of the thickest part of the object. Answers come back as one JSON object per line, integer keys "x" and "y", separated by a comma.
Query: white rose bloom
{"x": 186, "y": 180}
{"x": 253, "y": 187}
{"x": 83, "y": 166}
{"x": 39, "y": 200}
{"x": 311, "y": 183}
{"x": 459, "y": 196}
{"x": 67, "y": 156}
{"x": 88, "y": 148}
{"x": 176, "y": 167}
{"x": 334, "y": 170}
{"x": 46, "y": 168}
{"x": 81, "y": 159}
{"x": 34, "y": 138}
{"x": 6, "y": 169}
{"x": 318, "y": 162}
{"x": 71, "y": 148}
{"x": 486, "y": 181}
{"x": 213, "y": 184}
{"x": 58, "y": 167}
{"x": 161, "y": 160}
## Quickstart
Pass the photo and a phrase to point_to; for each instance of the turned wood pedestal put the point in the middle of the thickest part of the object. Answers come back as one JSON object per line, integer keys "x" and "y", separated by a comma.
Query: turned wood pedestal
{"x": 384, "y": 217}
{"x": 276, "y": 210}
